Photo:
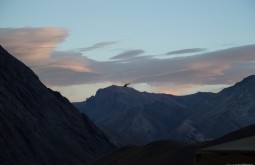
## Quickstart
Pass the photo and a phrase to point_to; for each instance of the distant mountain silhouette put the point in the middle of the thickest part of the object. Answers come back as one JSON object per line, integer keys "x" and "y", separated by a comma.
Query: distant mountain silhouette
{"x": 38, "y": 126}
{"x": 133, "y": 117}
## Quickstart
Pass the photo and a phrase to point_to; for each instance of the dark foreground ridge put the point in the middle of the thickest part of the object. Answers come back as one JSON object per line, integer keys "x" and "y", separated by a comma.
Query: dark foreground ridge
{"x": 40, "y": 127}
{"x": 169, "y": 152}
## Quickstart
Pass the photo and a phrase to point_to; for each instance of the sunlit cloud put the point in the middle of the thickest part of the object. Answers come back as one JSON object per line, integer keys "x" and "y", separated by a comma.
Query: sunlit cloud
{"x": 70, "y": 60}
{"x": 32, "y": 44}
{"x": 36, "y": 48}
{"x": 185, "y": 89}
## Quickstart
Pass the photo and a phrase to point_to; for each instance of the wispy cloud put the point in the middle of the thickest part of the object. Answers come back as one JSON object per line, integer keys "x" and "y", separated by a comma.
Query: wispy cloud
{"x": 128, "y": 54}
{"x": 186, "y": 51}
{"x": 98, "y": 45}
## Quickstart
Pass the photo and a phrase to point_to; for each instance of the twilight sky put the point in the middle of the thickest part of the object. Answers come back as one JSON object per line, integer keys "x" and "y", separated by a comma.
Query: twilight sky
{"x": 163, "y": 46}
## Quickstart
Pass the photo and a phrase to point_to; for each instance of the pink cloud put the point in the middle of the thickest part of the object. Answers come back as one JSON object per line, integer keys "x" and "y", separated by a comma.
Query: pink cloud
{"x": 32, "y": 44}
{"x": 35, "y": 47}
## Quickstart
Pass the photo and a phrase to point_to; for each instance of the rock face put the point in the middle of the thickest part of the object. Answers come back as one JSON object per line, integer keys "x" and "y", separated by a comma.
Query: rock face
{"x": 38, "y": 126}
{"x": 133, "y": 117}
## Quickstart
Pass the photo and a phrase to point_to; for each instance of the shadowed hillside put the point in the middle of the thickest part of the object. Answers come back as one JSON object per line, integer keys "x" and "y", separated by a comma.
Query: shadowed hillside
{"x": 38, "y": 126}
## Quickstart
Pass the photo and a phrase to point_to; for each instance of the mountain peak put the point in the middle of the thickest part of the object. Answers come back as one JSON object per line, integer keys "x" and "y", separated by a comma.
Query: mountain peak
{"x": 247, "y": 83}
{"x": 117, "y": 87}
{"x": 248, "y": 79}
{"x": 114, "y": 89}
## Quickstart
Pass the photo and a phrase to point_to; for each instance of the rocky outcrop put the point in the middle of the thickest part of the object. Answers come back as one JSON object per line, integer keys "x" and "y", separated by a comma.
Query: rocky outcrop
{"x": 39, "y": 126}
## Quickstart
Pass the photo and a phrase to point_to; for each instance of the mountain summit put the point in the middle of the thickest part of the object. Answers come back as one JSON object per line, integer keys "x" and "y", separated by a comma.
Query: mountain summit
{"x": 38, "y": 126}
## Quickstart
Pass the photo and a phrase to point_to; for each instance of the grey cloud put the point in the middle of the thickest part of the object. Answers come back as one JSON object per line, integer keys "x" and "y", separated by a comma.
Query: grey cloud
{"x": 218, "y": 67}
{"x": 98, "y": 45}
{"x": 55, "y": 76}
{"x": 128, "y": 54}
{"x": 186, "y": 51}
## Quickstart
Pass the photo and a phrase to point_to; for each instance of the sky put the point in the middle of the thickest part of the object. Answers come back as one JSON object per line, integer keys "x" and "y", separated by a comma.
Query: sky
{"x": 162, "y": 46}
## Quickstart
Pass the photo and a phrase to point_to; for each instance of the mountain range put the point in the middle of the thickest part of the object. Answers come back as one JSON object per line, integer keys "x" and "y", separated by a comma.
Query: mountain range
{"x": 38, "y": 126}
{"x": 132, "y": 117}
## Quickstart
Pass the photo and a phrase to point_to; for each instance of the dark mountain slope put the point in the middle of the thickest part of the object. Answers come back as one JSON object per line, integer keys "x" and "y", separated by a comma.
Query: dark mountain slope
{"x": 38, "y": 126}
{"x": 155, "y": 153}
{"x": 167, "y": 152}
{"x": 235, "y": 135}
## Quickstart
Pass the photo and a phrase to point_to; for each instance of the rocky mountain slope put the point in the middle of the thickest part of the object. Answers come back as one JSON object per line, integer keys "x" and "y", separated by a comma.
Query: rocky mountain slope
{"x": 133, "y": 117}
{"x": 38, "y": 126}
{"x": 230, "y": 109}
